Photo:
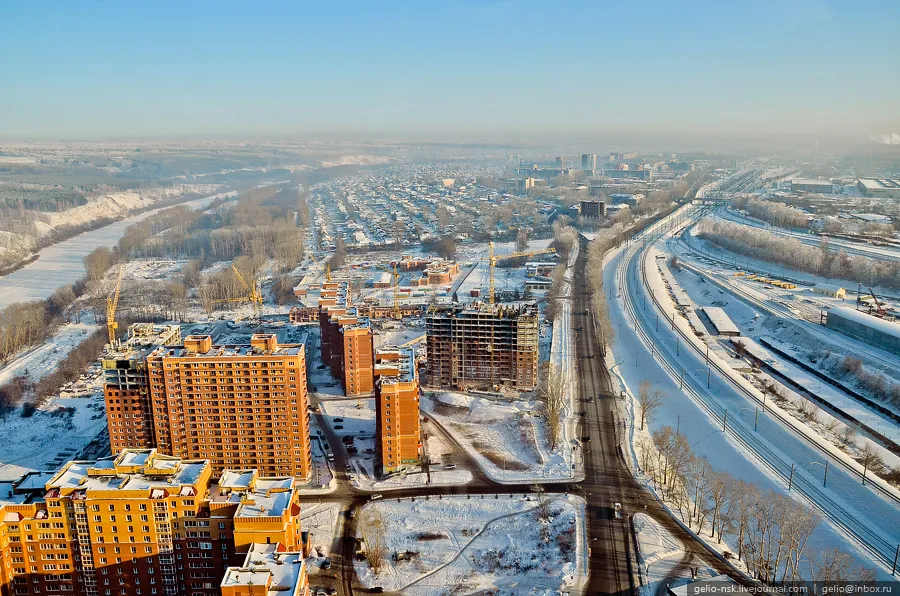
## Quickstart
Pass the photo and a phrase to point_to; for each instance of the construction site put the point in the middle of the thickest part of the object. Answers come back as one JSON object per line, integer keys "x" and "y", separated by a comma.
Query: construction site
{"x": 483, "y": 346}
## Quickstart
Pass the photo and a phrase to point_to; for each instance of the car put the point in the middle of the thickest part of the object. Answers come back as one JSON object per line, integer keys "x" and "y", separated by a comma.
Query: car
{"x": 331, "y": 590}
{"x": 376, "y": 496}
{"x": 376, "y": 590}
{"x": 617, "y": 508}
{"x": 338, "y": 419}
{"x": 326, "y": 564}
{"x": 450, "y": 467}
{"x": 338, "y": 427}
{"x": 586, "y": 439}
{"x": 347, "y": 440}
{"x": 352, "y": 450}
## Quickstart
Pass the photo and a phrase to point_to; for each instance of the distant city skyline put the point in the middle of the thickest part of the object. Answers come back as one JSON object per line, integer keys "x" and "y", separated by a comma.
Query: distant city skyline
{"x": 452, "y": 69}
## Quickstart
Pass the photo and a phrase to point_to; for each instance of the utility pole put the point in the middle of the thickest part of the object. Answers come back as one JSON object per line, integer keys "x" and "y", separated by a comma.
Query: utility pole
{"x": 791, "y": 479}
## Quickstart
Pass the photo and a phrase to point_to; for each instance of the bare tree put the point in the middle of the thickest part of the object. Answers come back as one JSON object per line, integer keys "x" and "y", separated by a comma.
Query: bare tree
{"x": 650, "y": 400}
{"x": 553, "y": 392}
{"x": 522, "y": 240}
{"x": 373, "y": 529}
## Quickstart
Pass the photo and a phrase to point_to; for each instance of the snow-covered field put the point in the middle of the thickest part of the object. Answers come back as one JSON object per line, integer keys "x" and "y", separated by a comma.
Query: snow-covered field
{"x": 51, "y": 436}
{"x": 507, "y": 438}
{"x": 464, "y": 545}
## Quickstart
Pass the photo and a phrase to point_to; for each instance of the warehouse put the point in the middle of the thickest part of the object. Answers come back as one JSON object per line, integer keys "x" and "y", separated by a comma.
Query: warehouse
{"x": 721, "y": 321}
{"x": 864, "y": 327}
{"x": 830, "y": 291}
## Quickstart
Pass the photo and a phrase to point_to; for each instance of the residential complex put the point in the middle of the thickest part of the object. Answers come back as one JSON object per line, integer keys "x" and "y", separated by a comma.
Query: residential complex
{"x": 347, "y": 340}
{"x": 483, "y": 345}
{"x": 397, "y": 408}
{"x": 139, "y": 523}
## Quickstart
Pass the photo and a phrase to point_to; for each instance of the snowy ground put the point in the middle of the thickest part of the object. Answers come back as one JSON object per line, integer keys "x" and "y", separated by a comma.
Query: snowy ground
{"x": 51, "y": 436}
{"x": 506, "y": 437}
{"x": 321, "y": 521}
{"x": 463, "y": 545}
{"x": 38, "y": 362}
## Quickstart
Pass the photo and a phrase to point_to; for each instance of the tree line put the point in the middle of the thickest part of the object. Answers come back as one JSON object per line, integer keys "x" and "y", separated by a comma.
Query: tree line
{"x": 790, "y": 252}
{"x": 770, "y": 530}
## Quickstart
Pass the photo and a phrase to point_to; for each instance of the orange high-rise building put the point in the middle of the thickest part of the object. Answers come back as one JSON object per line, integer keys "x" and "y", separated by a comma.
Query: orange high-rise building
{"x": 397, "y": 408}
{"x": 140, "y": 523}
{"x": 347, "y": 341}
{"x": 237, "y": 406}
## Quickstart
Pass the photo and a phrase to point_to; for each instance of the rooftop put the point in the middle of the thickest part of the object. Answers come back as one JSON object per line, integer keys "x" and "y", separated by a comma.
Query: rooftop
{"x": 280, "y": 572}
{"x": 132, "y": 470}
{"x": 256, "y": 496}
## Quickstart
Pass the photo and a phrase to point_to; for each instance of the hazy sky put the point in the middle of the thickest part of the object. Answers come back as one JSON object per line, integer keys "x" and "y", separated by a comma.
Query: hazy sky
{"x": 445, "y": 67}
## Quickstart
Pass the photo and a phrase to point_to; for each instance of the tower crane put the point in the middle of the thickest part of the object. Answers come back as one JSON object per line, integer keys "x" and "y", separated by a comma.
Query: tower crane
{"x": 254, "y": 293}
{"x": 492, "y": 263}
{"x": 112, "y": 303}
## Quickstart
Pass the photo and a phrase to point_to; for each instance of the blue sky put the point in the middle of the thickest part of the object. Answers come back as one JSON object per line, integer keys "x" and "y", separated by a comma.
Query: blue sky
{"x": 447, "y": 67}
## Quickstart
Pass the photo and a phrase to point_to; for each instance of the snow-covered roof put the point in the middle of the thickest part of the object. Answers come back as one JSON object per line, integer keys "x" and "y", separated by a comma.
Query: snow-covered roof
{"x": 721, "y": 320}
{"x": 280, "y": 572}
{"x": 870, "y": 321}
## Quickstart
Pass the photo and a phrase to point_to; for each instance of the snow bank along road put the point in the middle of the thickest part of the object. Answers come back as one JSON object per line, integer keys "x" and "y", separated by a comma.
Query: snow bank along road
{"x": 61, "y": 264}
{"x": 776, "y": 449}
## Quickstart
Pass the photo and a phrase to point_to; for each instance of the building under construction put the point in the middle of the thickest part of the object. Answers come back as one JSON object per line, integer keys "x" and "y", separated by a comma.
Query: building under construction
{"x": 483, "y": 346}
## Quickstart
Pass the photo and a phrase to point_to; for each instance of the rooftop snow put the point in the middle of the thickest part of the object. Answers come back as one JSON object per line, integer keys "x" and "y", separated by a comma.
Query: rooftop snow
{"x": 850, "y": 314}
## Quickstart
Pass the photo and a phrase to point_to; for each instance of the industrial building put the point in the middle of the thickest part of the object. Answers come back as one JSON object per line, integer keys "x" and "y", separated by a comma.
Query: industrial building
{"x": 721, "y": 322}
{"x": 268, "y": 570}
{"x": 139, "y": 523}
{"x": 397, "y": 408}
{"x": 347, "y": 341}
{"x": 483, "y": 345}
{"x": 879, "y": 187}
{"x": 235, "y": 405}
{"x": 126, "y": 385}
{"x": 866, "y": 328}
{"x": 593, "y": 209}
{"x": 829, "y": 291}
{"x": 817, "y": 186}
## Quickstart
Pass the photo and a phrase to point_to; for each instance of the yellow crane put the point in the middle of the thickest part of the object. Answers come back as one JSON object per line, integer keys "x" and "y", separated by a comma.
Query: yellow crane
{"x": 112, "y": 303}
{"x": 254, "y": 293}
{"x": 493, "y": 258}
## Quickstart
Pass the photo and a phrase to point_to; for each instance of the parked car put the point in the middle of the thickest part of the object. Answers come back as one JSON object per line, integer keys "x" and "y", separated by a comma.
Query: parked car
{"x": 326, "y": 564}
{"x": 450, "y": 467}
{"x": 338, "y": 427}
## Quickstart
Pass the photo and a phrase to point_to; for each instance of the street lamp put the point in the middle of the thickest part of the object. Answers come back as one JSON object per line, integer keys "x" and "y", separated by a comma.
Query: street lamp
{"x": 756, "y": 419}
{"x": 825, "y": 465}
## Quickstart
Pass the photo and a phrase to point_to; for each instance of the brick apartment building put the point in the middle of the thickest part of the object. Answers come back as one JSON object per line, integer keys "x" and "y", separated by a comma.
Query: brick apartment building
{"x": 397, "y": 408}
{"x": 139, "y": 524}
{"x": 126, "y": 385}
{"x": 347, "y": 340}
{"x": 235, "y": 405}
{"x": 482, "y": 346}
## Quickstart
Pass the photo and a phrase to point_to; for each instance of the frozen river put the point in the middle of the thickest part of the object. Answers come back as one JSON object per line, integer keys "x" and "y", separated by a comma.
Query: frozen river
{"x": 62, "y": 263}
